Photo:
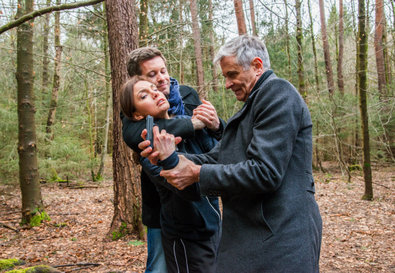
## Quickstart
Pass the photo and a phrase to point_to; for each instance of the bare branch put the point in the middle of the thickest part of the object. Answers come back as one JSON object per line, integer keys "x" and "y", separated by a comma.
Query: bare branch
{"x": 43, "y": 11}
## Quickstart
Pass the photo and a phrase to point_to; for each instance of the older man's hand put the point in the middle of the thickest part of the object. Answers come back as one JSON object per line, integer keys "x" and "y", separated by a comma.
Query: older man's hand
{"x": 206, "y": 112}
{"x": 183, "y": 175}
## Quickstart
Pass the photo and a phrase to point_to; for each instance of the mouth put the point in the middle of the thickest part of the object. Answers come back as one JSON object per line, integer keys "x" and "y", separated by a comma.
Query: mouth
{"x": 160, "y": 102}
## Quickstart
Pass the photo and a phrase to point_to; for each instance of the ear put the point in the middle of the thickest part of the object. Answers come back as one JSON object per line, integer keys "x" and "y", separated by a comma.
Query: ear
{"x": 257, "y": 65}
{"x": 137, "y": 116}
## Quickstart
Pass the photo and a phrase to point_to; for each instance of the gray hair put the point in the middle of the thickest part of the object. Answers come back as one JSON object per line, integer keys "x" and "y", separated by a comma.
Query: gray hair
{"x": 245, "y": 48}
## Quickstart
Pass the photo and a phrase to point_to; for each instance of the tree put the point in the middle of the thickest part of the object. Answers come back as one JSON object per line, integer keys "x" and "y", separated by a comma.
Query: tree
{"x": 241, "y": 24}
{"x": 340, "y": 80}
{"x": 122, "y": 37}
{"x": 32, "y": 205}
{"x": 198, "y": 50}
{"x": 252, "y": 14}
{"x": 327, "y": 56}
{"x": 45, "y": 76}
{"x": 108, "y": 98}
{"x": 317, "y": 81}
{"x": 362, "y": 49}
{"x": 287, "y": 47}
{"x": 211, "y": 46}
{"x": 56, "y": 77}
{"x": 143, "y": 26}
{"x": 378, "y": 45}
{"x": 299, "y": 42}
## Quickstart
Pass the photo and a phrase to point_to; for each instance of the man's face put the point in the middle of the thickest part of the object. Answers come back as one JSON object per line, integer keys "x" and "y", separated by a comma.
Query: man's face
{"x": 155, "y": 71}
{"x": 238, "y": 80}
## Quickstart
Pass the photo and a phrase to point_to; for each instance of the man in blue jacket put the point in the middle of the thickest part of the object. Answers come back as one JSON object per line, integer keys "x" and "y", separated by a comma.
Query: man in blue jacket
{"x": 262, "y": 169}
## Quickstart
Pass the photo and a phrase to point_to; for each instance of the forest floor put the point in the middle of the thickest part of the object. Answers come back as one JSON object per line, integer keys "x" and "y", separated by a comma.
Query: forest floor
{"x": 358, "y": 236}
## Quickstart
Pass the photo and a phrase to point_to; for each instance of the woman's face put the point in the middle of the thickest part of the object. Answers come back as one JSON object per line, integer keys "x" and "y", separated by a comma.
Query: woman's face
{"x": 149, "y": 101}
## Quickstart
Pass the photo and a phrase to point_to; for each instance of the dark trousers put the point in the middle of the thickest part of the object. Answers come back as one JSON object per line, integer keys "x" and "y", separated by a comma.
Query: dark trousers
{"x": 191, "y": 256}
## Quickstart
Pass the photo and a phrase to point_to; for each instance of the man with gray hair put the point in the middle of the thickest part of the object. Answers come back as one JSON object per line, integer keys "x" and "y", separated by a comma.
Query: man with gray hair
{"x": 262, "y": 169}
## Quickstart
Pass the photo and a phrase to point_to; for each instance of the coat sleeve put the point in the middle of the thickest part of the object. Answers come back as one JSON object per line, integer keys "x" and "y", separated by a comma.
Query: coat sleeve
{"x": 131, "y": 130}
{"x": 277, "y": 117}
{"x": 191, "y": 193}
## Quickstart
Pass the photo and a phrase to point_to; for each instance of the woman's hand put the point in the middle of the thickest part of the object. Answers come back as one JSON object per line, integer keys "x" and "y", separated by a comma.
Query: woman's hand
{"x": 163, "y": 144}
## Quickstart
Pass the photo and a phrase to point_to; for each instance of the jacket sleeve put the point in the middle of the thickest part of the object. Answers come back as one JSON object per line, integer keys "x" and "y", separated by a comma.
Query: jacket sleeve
{"x": 218, "y": 134}
{"x": 277, "y": 116}
{"x": 131, "y": 130}
{"x": 191, "y": 193}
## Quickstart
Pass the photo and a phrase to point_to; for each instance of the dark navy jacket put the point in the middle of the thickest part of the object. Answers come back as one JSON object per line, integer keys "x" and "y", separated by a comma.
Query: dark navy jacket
{"x": 186, "y": 213}
{"x": 131, "y": 131}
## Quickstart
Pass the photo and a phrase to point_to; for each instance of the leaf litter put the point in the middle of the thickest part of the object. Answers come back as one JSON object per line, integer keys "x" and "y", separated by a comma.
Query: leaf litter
{"x": 358, "y": 236}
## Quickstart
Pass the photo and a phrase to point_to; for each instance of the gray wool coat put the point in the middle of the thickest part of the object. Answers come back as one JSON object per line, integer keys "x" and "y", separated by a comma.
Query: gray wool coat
{"x": 262, "y": 169}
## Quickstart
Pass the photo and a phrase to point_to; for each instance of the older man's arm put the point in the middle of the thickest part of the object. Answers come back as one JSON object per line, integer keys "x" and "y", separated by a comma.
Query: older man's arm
{"x": 183, "y": 175}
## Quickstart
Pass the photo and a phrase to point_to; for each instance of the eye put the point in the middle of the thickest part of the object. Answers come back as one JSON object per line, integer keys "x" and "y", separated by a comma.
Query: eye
{"x": 232, "y": 75}
{"x": 151, "y": 75}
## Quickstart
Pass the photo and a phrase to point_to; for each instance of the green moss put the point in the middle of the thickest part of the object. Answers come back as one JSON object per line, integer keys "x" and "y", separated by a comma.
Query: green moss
{"x": 38, "y": 218}
{"x": 135, "y": 243}
{"x": 355, "y": 167}
{"x": 120, "y": 233}
{"x": 10, "y": 263}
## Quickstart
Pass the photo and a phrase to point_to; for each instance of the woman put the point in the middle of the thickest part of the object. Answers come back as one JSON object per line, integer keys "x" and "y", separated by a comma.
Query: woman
{"x": 190, "y": 223}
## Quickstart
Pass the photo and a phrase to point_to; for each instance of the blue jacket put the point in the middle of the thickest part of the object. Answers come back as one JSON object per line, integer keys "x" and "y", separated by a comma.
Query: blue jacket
{"x": 185, "y": 213}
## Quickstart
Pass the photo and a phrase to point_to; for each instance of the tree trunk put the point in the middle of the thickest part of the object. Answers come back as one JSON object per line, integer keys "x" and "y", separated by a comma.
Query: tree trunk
{"x": 387, "y": 58}
{"x": 362, "y": 86}
{"x": 45, "y": 76}
{"x": 181, "y": 59}
{"x": 143, "y": 27}
{"x": 252, "y": 14}
{"x": 287, "y": 46}
{"x": 198, "y": 50}
{"x": 108, "y": 98}
{"x": 328, "y": 64}
{"x": 122, "y": 37}
{"x": 340, "y": 79}
{"x": 378, "y": 46}
{"x": 317, "y": 81}
{"x": 212, "y": 50}
{"x": 32, "y": 205}
{"x": 56, "y": 77}
{"x": 241, "y": 24}
{"x": 299, "y": 42}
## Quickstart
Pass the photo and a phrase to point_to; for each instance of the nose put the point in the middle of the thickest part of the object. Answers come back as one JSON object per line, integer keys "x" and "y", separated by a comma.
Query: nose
{"x": 228, "y": 83}
{"x": 154, "y": 94}
{"x": 160, "y": 77}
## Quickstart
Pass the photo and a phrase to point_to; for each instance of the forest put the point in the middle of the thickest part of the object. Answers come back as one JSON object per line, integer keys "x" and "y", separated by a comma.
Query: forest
{"x": 69, "y": 187}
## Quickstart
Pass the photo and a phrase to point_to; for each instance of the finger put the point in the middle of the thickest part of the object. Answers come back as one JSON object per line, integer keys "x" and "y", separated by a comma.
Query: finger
{"x": 207, "y": 102}
{"x": 153, "y": 157}
{"x": 203, "y": 118}
{"x": 144, "y": 144}
{"x": 155, "y": 130}
{"x": 146, "y": 152}
{"x": 177, "y": 140}
{"x": 144, "y": 134}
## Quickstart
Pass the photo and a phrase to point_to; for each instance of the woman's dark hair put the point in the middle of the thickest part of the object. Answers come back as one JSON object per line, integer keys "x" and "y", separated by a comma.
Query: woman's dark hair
{"x": 127, "y": 98}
